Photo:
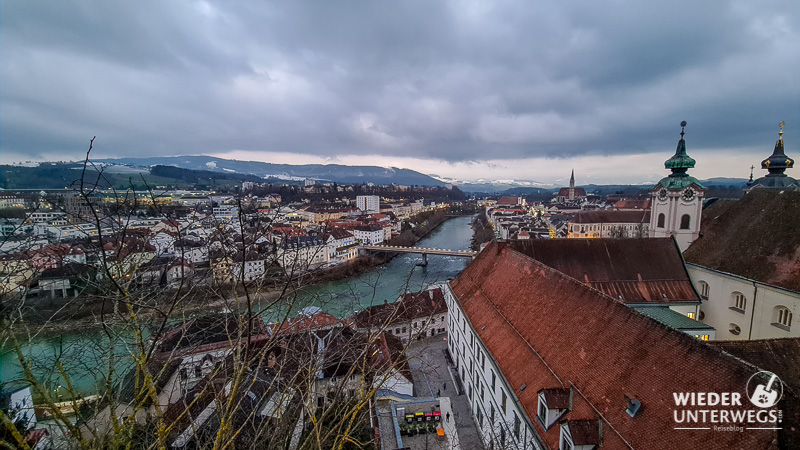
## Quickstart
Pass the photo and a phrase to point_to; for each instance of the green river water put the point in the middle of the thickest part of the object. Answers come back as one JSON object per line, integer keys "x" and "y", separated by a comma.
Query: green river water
{"x": 84, "y": 354}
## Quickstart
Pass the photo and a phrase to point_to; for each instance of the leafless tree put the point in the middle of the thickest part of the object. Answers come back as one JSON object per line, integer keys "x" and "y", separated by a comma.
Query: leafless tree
{"x": 185, "y": 354}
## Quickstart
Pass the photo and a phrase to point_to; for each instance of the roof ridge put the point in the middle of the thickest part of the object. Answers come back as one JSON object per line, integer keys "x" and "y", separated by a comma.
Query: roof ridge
{"x": 633, "y": 310}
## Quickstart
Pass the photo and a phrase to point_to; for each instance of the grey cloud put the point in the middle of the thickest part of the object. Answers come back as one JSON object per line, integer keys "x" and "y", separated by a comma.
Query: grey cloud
{"x": 455, "y": 81}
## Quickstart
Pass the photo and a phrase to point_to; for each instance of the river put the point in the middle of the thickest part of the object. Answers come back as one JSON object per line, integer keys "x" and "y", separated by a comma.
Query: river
{"x": 84, "y": 354}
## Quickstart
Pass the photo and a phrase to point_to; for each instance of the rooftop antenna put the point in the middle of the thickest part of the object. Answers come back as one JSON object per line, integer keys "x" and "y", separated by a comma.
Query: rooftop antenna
{"x": 751, "y": 173}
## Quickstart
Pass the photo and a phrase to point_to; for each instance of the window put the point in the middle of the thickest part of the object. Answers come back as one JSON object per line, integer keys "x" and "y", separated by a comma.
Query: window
{"x": 739, "y": 302}
{"x": 660, "y": 220}
{"x": 566, "y": 440}
{"x": 701, "y": 315}
{"x": 517, "y": 424}
{"x": 782, "y": 317}
{"x": 503, "y": 401}
{"x": 704, "y": 288}
{"x": 480, "y": 418}
{"x": 542, "y": 412}
{"x": 702, "y": 337}
{"x": 735, "y": 329}
{"x": 491, "y": 414}
{"x": 494, "y": 378}
{"x": 685, "y": 222}
{"x": 502, "y": 436}
{"x": 404, "y": 329}
{"x": 690, "y": 315}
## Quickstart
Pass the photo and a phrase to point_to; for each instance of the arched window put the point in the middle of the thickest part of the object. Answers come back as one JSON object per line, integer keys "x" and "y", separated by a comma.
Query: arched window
{"x": 704, "y": 289}
{"x": 660, "y": 220}
{"x": 782, "y": 317}
{"x": 685, "y": 222}
{"x": 739, "y": 302}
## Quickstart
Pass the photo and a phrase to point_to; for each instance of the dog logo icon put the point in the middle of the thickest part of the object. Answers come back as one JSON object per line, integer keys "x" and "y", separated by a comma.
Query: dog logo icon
{"x": 767, "y": 390}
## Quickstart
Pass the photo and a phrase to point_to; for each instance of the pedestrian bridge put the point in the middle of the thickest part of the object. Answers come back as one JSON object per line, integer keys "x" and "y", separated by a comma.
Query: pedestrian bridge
{"x": 424, "y": 251}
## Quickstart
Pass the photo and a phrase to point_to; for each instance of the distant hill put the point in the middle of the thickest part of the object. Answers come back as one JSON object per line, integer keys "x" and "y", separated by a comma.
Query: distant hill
{"x": 66, "y": 175}
{"x": 325, "y": 172}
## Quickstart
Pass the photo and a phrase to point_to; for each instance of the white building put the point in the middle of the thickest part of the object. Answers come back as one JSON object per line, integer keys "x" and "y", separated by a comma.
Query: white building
{"x": 369, "y": 234}
{"x": 341, "y": 245}
{"x": 746, "y": 264}
{"x": 368, "y": 203}
{"x": 541, "y": 369}
{"x": 226, "y": 213}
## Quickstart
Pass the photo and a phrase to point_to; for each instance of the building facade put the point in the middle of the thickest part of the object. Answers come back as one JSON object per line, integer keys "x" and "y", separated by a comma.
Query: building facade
{"x": 368, "y": 203}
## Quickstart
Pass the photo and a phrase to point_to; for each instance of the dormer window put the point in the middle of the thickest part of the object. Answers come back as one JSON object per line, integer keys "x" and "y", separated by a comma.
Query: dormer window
{"x": 587, "y": 434}
{"x": 553, "y": 404}
{"x": 565, "y": 442}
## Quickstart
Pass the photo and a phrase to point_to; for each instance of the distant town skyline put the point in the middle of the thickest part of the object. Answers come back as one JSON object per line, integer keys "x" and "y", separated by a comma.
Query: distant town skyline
{"x": 464, "y": 90}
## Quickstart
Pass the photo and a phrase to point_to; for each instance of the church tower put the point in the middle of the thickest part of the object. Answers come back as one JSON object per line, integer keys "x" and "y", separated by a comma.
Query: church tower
{"x": 677, "y": 200}
{"x": 776, "y": 164}
{"x": 572, "y": 186}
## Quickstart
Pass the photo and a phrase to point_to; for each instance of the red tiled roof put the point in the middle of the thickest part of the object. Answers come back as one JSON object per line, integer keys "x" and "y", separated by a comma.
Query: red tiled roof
{"x": 579, "y": 192}
{"x": 556, "y": 398}
{"x": 305, "y": 322}
{"x": 629, "y": 270}
{"x": 779, "y": 356}
{"x": 612, "y": 217}
{"x": 408, "y": 307}
{"x": 508, "y": 200}
{"x": 584, "y": 431}
{"x": 755, "y": 237}
{"x": 545, "y": 329}
{"x": 338, "y": 233}
{"x": 633, "y": 204}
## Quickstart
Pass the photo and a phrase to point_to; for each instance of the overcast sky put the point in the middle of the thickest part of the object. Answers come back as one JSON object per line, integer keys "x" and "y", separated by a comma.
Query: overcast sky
{"x": 481, "y": 89}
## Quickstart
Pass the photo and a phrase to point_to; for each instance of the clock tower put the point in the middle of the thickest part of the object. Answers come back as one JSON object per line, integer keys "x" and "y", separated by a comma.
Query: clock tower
{"x": 677, "y": 200}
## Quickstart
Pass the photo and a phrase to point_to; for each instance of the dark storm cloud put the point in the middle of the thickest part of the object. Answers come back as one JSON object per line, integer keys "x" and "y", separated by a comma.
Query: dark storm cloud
{"x": 454, "y": 81}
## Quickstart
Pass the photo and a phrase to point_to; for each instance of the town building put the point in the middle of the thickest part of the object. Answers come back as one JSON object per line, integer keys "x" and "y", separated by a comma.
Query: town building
{"x": 547, "y": 361}
{"x": 677, "y": 200}
{"x": 368, "y": 203}
{"x": 342, "y": 245}
{"x": 570, "y": 194}
{"x": 413, "y": 316}
{"x": 746, "y": 263}
{"x": 609, "y": 224}
{"x": 369, "y": 234}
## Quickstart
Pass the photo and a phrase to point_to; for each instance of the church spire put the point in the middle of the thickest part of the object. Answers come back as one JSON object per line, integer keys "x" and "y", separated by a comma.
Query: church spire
{"x": 572, "y": 180}
{"x": 680, "y": 161}
{"x": 777, "y": 163}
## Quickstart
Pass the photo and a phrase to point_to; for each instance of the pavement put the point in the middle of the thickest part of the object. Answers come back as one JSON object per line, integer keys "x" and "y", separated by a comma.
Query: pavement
{"x": 432, "y": 378}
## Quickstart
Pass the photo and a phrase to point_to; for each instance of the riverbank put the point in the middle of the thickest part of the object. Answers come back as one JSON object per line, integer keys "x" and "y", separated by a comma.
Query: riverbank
{"x": 51, "y": 317}
{"x": 84, "y": 348}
